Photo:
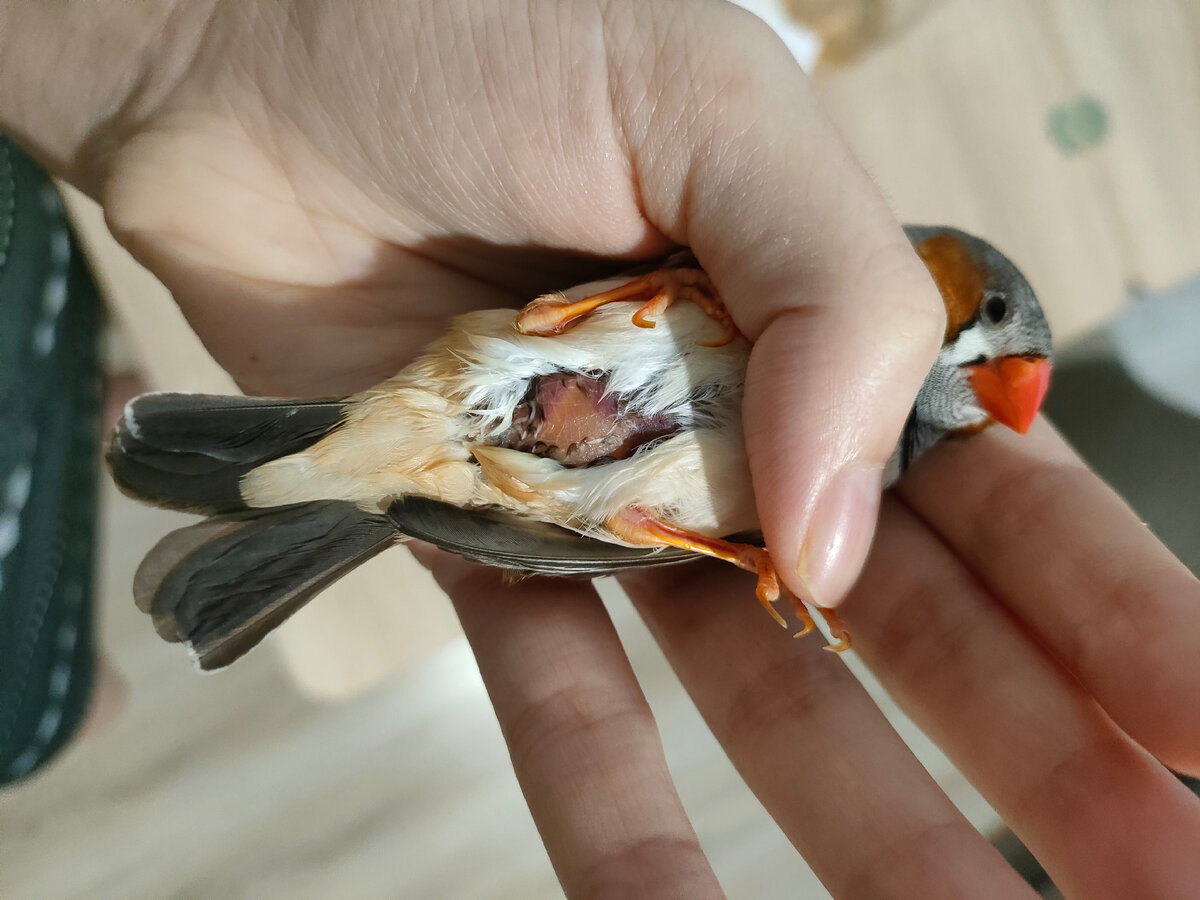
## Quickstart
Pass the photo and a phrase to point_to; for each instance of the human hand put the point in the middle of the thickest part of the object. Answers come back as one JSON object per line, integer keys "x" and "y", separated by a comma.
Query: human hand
{"x": 1025, "y": 620}
{"x": 1030, "y": 625}
{"x": 321, "y": 189}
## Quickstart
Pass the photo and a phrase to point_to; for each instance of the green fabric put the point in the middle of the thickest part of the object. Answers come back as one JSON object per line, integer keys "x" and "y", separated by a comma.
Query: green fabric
{"x": 50, "y": 402}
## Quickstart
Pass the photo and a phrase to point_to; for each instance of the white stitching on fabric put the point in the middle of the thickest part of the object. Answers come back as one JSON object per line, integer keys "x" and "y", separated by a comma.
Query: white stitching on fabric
{"x": 54, "y": 293}
{"x": 6, "y": 212}
{"x": 16, "y": 491}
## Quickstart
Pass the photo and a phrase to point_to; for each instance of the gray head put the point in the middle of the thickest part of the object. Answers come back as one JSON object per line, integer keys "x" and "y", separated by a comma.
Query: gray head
{"x": 994, "y": 365}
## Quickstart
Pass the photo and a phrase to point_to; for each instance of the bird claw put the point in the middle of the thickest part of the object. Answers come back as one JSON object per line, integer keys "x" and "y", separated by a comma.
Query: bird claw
{"x": 806, "y": 623}
{"x": 837, "y": 628}
{"x": 553, "y": 314}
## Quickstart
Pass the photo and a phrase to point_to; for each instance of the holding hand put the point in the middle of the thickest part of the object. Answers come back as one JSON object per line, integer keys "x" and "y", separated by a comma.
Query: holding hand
{"x": 321, "y": 186}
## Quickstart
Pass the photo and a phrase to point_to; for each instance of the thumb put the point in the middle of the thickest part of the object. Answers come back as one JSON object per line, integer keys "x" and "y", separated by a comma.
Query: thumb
{"x": 846, "y": 320}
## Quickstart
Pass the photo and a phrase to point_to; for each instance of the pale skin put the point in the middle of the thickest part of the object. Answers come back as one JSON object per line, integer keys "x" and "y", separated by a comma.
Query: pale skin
{"x": 321, "y": 185}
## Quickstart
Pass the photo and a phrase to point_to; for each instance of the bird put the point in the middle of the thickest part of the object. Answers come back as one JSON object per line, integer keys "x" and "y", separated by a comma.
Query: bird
{"x": 595, "y": 430}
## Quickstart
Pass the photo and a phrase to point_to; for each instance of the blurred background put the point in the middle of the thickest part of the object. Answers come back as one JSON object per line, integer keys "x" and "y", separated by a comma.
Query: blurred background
{"x": 357, "y": 755}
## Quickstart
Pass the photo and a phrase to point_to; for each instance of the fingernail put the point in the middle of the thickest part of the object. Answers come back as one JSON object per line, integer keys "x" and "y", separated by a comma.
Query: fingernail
{"x": 839, "y": 534}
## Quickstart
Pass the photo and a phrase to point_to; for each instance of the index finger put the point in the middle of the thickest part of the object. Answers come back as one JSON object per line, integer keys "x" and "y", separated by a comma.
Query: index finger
{"x": 1066, "y": 554}
{"x": 583, "y": 742}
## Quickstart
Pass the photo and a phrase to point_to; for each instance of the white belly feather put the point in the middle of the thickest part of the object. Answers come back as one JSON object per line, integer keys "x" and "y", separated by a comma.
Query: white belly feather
{"x": 414, "y": 434}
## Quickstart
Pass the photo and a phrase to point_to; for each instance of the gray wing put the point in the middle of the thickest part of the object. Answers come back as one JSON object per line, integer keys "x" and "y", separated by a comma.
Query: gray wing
{"x": 497, "y": 538}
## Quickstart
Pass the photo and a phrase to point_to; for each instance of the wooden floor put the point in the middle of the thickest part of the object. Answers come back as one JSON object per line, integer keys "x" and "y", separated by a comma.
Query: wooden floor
{"x": 234, "y": 785}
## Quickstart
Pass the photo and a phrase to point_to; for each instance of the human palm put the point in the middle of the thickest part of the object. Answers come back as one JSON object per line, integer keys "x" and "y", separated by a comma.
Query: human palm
{"x": 320, "y": 190}
{"x": 341, "y": 212}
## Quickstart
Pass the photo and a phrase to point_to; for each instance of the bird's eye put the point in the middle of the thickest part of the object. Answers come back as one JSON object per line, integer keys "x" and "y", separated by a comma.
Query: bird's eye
{"x": 995, "y": 309}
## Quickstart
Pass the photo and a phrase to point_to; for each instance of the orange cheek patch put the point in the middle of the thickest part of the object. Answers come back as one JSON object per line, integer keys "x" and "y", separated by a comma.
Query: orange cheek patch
{"x": 957, "y": 277}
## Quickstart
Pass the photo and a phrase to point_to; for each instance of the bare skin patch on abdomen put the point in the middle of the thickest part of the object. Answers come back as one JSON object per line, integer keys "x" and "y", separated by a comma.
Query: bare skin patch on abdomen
{"x": 569, "y": 418}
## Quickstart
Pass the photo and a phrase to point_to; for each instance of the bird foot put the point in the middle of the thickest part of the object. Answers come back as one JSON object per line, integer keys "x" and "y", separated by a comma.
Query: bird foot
{"x": 553, "y": 314}
{"x": 837, "y": 628}
{"x": 640, "y": 527}
{"x": 637, "y": 526}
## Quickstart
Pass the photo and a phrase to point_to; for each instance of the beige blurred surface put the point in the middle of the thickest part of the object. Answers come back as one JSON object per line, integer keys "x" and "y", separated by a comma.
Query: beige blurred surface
{"x": 976, "y": 113}
{"x": 242, "y": 785}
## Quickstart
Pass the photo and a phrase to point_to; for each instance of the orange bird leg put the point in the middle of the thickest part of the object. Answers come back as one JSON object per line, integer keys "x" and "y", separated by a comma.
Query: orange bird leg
{"x": 553, "y": 314}
{"x": 639, "y": 527}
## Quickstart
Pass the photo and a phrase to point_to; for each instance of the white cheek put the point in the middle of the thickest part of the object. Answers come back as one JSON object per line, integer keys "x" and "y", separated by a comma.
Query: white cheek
{"x": 970, "y": 344}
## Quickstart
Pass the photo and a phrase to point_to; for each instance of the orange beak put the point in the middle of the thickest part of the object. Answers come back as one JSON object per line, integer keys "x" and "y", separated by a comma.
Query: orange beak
{"x": 1010, "y": 390}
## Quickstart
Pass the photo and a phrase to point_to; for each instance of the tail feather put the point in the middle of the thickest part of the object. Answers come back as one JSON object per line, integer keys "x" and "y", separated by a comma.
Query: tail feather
{"x": 222, "y": 585}
{"x": 190, "y": 451}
